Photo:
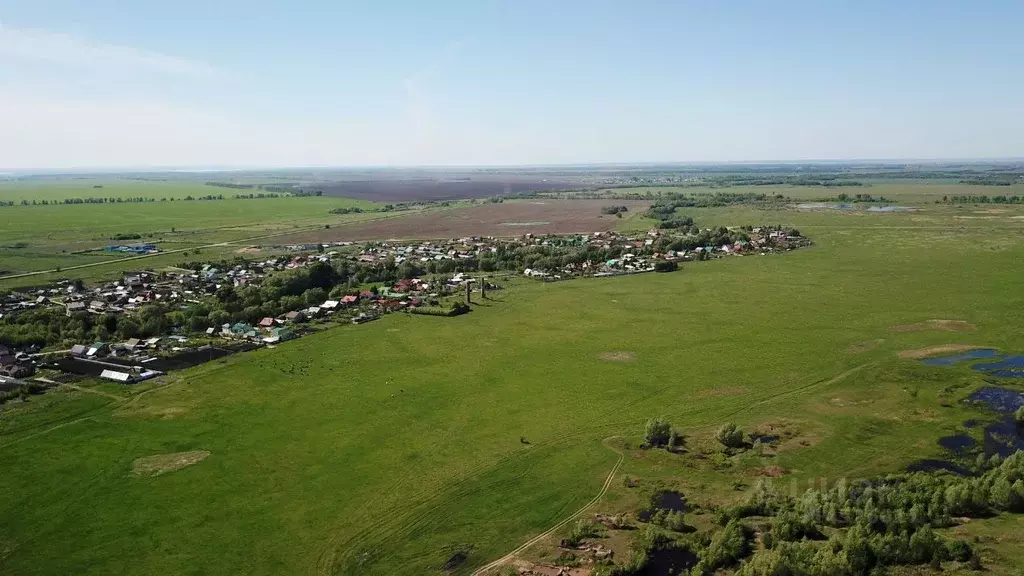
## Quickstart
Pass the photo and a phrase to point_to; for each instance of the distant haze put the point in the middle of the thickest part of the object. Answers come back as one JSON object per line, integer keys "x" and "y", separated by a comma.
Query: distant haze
{"x": 198, "y": 84}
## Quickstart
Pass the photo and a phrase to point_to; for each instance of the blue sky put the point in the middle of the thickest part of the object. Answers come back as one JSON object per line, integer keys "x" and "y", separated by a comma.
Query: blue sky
{"x": 111, "y": 83}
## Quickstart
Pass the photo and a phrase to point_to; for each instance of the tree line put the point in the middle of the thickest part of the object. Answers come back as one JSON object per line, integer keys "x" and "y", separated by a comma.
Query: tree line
{"x": 982, "y": 199}
{"x": 844, "y": 197}
{"x": 141, "y": 199}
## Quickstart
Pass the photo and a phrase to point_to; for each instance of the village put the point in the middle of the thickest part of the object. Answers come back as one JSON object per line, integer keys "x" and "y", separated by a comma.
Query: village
{"x": 426, "y": 277}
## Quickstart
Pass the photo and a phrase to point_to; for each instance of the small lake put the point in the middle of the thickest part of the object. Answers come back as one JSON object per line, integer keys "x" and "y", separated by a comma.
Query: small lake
{"x": 826, "y": 206}
{"x": 961, "y": 357}
{"x": 1008, "y": 367}
{"x": 891, "y": 209}
{"x": 998, "y": 399}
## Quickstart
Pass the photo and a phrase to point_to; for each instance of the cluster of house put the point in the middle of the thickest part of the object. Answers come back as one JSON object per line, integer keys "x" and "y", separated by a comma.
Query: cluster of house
{"x": 638, "y": 252}
{"x": 18, "y": 301}
{"x": 434, "y": 250}
{"x": 15, "y": 364}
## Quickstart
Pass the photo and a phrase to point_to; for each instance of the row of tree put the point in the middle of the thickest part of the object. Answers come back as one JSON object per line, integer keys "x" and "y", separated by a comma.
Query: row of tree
{"x": 982, "y": 199}
{"x": 141, "y": 199}
{"x": 844, "y": 197}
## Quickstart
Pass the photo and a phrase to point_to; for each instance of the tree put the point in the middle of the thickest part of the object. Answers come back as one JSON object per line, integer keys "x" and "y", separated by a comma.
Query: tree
{"x": 219, "y": 317}
{"x": 315, "y": 296}
{"x": 127, "y": 327}
{"x": 665, "y": 266}
{"x": 730, "y": 436}
{"x": 658, "y": 432}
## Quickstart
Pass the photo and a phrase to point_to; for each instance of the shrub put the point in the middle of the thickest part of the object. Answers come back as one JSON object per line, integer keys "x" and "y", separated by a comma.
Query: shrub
{"x": 675, "y": 441}
{"x": 665, "y": 266}
{"x": 582, "y": 530}
{"x": 658, "y": 432}
{"x": 727, "y": 547}
{"x": 730, "y": 436}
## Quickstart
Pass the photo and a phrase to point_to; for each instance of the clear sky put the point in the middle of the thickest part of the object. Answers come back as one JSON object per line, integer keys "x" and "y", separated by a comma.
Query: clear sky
{"x": 143, "y": 83}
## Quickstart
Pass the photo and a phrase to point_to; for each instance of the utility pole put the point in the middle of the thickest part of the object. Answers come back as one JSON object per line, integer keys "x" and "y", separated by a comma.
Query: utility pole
{"x": 483, "y": 288}
{"x": 469, "y": 292}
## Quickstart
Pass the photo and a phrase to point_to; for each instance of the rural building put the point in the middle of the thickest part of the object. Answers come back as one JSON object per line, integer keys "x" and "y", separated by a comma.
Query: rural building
{"x": 97, "y": 349}
{"x": 135, "y": 375}
{"x": 9, "y": 366}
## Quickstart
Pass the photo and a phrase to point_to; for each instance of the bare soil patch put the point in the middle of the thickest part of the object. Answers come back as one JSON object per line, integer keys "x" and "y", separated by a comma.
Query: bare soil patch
{"x": 862, "y": 347}
{"x": 506, "y": 219}
{"x": 164, "y": 463}
{"x": 943, "y": 325}
{"x": 248, "y": 250}
{"x": 934, "y": 350}
{"x": 163, "y": 413}
{"x": 768, "y": 471}
{"x": 617, "y": 356}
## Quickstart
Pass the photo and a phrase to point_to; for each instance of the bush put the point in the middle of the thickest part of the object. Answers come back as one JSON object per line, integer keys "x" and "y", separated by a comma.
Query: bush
{"x": 675, "y": 441}
{"x": 581, "y": 531}
{"x": 658, "y": 432}
{"x": 727, "y": 547}
{"x": 671, "y": 520}
{"x": 730, "y": 436}
{"x": 665, "y": 266}
{"x": 958, "y": 550}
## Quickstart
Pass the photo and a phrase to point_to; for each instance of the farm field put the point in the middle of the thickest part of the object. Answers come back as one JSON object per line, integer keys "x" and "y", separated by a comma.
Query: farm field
{"x": 57, "y": 189}
{"x": 394, "y": 447}
{"x": 510, "y": 218}
{"x": 443, "y": 187}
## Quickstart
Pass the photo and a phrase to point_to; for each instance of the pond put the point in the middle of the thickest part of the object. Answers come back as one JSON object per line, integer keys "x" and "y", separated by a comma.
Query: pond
{"x": 1008, "y": 367}
{"x": 998, "y": 399}
{"x": 961, "y": 357}
{"x": 957, "y": 444}
{"x": 891, "y": 209}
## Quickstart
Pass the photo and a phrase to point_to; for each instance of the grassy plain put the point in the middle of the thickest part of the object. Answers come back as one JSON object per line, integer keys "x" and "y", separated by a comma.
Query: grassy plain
{"x": 385, "y": 448}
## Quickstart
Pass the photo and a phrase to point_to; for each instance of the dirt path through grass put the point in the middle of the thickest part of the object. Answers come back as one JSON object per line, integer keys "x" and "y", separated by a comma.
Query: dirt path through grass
{"x": 570, "y": 518}
{"x": 91, "y": 391}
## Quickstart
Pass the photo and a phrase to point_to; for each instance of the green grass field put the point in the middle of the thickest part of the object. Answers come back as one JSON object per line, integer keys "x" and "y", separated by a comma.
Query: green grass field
{"x": 383, "y": 448}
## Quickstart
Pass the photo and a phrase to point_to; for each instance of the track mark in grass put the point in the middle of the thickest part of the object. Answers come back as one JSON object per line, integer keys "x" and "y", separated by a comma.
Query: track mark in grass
{"x": 617, "y": 356}
{"x": 164, "y": 463}
{"x": 166, "y": 413}
{"x": 608, "y": 482}
{"x": 943, "y": 325}
{"x": 723, "y": 391}
{"x": 934, "y": 350}
{"x": 862, "y": 347}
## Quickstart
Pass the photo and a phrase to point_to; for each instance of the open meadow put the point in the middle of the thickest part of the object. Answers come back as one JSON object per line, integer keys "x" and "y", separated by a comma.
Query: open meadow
{"x": 421, "y": 445}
